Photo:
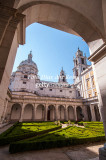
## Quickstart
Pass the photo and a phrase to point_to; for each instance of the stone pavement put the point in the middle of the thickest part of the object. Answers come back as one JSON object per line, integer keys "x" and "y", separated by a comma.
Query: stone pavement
{"x": 5, "y": 128}
{"x": 79, "y": 152}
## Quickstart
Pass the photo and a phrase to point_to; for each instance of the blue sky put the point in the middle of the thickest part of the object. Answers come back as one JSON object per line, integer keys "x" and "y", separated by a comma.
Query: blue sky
{"x": 51, "y": 49}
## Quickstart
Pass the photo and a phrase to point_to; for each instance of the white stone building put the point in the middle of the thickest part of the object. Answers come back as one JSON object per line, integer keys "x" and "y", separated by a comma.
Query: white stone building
{"x": 31, "y": 99}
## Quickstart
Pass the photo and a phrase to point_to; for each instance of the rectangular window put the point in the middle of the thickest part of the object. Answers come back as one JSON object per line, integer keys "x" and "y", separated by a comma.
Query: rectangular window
{"x": 82, "y": 60}
{"x": 61, "y": 91}
{"x": 90, "y": 95}
{"x": 70, "y": 91}
{"x": 93, "y": 81}
{"x": 88, "y": 83}
{"x": 41, "y": 88}
{"x": 50, "y": 89}
{"x": 25, "y": 76}
{"x": 24, "y": 82}
{"x": 95, "y": 93}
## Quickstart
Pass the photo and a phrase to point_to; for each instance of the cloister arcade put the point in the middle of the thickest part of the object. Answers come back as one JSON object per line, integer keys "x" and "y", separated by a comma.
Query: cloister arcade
{"x": 42, "y": 112}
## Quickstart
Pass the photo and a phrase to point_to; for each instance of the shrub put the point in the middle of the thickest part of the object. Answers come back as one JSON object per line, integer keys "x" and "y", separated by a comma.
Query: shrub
{"x": 63, "y": 137}
{"x": 8, "y": 137}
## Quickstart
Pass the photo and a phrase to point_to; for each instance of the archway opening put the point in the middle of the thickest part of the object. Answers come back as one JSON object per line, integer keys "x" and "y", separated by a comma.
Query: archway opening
{"x": 80, "y": 115}
{"x": 71, "y": 115}
{"x": 15, "y": 112}
{"x": 51, "y": 113}
{"x": 61, "y": 112}
{"x": 40, "y": 113}
{"x": 97, "y": 114}
{"x": 28, "y": 113}
{"x": 89, "y": 113}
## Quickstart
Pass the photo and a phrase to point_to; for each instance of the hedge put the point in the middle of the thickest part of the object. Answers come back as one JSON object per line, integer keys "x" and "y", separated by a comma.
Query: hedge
{"x": 20, "y": 147}
{"x": 63, "y": 137}
{"x": 9, "y": 139}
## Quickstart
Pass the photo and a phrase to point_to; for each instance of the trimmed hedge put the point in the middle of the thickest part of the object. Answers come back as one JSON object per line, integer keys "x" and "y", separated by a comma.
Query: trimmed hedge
{"x": 71, "y": 135}
{"x": 20, "y": 147}
{"x": 9, "y": 139}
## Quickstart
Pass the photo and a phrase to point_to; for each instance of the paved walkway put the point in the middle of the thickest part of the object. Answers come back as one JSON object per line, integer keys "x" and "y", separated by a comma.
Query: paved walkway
{"x": 5, "y": 128}
{"x": 81, "y": 152}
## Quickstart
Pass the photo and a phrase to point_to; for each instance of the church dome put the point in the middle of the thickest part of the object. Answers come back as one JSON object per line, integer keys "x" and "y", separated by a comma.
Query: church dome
{"x": 28, "y": 64}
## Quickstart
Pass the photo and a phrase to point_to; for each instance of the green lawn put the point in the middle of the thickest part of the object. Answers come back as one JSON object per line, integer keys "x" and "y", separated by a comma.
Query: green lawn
{"x": 71, "y": 135}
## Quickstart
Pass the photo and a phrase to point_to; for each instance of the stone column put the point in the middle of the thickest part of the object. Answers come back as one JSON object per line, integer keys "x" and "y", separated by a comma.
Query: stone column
{"x": 57, "y": 116}
{"x": 75, "y": 113}
{"x": 5, "y": 109}
{"x": 9, "y": 19}
{"x": 98, "y": 57}
{"x": 84, "y": 111}
{"x": 46, "y": 110}
{"x": 22, "y": 112}
{"x": 34, "y": 112}
{"x": 92, "y": 112}
{"x": 66, "y": 112}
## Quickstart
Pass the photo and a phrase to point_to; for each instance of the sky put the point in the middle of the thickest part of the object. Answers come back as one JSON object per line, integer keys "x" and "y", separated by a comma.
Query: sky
{"x": 52, "y": 49}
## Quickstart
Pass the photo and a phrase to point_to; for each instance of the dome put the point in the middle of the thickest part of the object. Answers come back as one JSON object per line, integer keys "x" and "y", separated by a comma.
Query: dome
{"x": 28, "y": 63}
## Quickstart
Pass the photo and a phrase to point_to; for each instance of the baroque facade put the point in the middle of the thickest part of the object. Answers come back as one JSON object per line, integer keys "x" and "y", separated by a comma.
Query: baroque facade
{"x": 32, "y": 99}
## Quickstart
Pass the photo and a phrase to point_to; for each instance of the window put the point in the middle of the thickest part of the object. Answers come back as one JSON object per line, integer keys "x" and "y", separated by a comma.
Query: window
{"x": 95, "y": 93}
{"x": 82, "y": 60}
{"x": 83, "y": 69}
{"x": 88, "y": 83}
{"x": 61, "y": 91}
{"x": 24, "y": 82}
{"x": 41, "y": 88}
{"x": 76, "y": 73}
{"x": 25, "y": 76}
{"x": 50, "y": 89}
{"x": 93, "y": 82}
{"x": 70, "y": 91}
{"x": 78, "y": 93}
{"x": 90, "y": 95}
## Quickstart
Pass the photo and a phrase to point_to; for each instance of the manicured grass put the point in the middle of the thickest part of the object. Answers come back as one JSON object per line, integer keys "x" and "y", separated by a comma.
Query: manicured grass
{"x": 93, "y": 132}
{"x": 21, "y": 131}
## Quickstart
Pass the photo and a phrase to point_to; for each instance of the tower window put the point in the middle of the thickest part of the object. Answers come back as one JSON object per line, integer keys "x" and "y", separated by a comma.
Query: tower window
{"x": 61, "y": 91}
{"x": 76, "y": 73}
{"x": 63, "y": 79}
{"x": 50, "y": 89}
{"x": 82, "y": 60}
{"x": 83, "y": 69}
{"x": 24, "y": 82}
{"x": 41, "y": 88}
{"x": 25, "y": 76}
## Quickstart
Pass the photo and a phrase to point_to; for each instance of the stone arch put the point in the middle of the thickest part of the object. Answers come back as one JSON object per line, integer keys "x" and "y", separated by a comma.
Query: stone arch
{"x": 28, "y": 112}
{"x": 89, "y": 113}
{"x": 60, "y": 16}
{"x": 61, "y": 112}
{"x": 97, "y": 114}
{"x": 15, "y": 112}
{"x": 51, "y": 113}
{"x": 40, "y": 112}
{"x": 80, "y": 115}
{"x": 71, "y": 114}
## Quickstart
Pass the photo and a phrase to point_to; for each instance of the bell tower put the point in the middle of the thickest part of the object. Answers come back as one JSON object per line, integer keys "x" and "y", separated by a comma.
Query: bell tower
{"x": 62, "y": 77}
{"x": 80, "y": 64}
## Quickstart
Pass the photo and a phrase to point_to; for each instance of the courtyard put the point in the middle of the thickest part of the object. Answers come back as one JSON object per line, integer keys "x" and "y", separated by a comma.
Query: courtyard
{"x": 86, "y": 151}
